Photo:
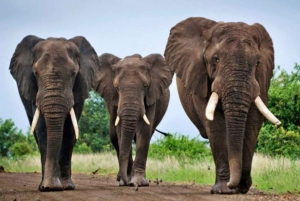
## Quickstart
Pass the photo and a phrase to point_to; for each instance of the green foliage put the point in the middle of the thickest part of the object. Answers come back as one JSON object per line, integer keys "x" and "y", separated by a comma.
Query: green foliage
{"x": 94, "y": 125}
{"x": 179, "y": 146}
{"x": 8, "y": 136}
{"x": 20, "y": 149}
{"x": 275, "y": 141}
{"x": 82, "y": 149}
{"x": 284, "y": 94}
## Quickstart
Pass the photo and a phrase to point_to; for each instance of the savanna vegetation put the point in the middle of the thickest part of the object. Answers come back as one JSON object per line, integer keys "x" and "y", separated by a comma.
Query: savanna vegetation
{"x": 276, "y": 164}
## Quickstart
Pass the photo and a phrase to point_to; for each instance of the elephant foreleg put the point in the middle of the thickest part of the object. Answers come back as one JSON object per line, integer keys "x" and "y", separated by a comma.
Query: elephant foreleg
{"x": 139, "y": 165}
{"x": 41, "y": 138}
{"x": 218, "y": 142}
{"x": 68, "y": 143}
{"x": 254, "y": 123}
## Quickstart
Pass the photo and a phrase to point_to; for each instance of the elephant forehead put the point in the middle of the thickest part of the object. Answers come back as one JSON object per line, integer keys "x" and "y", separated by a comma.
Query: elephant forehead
{"x": 57, "y": 47}
{"x": 129, "y": 64}
{"x": 233, "y": 31}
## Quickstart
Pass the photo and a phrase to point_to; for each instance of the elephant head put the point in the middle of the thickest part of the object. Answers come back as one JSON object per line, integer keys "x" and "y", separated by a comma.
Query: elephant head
{"x": 53, "y": 76}
{"x": 132, "y": 85}
{"x": 230, "y": 63}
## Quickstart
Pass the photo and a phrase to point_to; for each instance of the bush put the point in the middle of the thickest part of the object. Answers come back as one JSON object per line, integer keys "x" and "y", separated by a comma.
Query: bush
{"x": 82, "y": 149}
{"x": 284, "y": 94}
{"x": 20, "y": 149}
{"x": 276, "y": 141}
{"x": 179, "y": 146}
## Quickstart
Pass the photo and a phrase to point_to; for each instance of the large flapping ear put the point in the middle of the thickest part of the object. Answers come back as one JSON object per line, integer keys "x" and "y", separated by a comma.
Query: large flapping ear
{"x": 161, "y": 77}
{"x": 184, "y": 53}
{"x": 105, "y": 85}
{"x": 86, "y": 78}
{"x": 21, "y": 67}
{"x": 264, "y": 70}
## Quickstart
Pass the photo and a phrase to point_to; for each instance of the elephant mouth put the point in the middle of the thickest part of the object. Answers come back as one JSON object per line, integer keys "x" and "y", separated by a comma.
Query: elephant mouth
{"x": 73, "y": 118}
{"x": 213, "y": 101}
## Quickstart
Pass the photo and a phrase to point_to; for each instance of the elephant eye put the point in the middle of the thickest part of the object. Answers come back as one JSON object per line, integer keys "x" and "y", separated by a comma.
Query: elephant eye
{"x": 145, "y": 86}
{"x": 215, "y": 59}
{"x": 258, "y": 62}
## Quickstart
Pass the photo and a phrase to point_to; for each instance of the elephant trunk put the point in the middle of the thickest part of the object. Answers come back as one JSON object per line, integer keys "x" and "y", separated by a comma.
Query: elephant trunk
{"x": 55, "y": 108}
{"x": 236, "y": 105}
{"x": 129, "y": 120}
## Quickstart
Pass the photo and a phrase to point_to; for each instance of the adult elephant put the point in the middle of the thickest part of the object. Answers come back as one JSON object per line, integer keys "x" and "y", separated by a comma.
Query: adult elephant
{"x": 223, "y": 76}
{"x": 54, "y": 77}
{"x": 136, "y": 93}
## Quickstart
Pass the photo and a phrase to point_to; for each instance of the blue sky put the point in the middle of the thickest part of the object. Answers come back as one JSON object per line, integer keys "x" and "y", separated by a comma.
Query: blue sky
{"x": 127, "y": 27}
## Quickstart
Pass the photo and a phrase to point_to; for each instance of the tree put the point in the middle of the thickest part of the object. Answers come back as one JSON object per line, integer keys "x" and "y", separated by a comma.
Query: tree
{"x": 284, "y": 93}
{"x": 8, "y": 136}
{"x": 94, "y": 125}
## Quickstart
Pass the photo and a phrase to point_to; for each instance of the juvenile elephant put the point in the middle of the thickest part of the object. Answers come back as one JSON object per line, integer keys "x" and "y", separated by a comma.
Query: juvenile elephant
{"x": 136, "y": 93}
{"x": 54, "y": 77}
{"x": 223, "y": 76}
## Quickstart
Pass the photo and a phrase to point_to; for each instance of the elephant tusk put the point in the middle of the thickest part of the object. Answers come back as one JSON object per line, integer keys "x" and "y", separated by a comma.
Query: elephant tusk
{"x": 35, "y": 120}
{"x": 265, "y": 111}
{"x": 211, "y": 106}
{"x": 74, "y": 121}
{"x": 146, "y": 119}
{"x": 117, "y": 121}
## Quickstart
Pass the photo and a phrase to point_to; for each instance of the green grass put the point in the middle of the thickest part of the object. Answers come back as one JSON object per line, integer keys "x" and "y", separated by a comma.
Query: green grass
{"x": 278, "y": 175}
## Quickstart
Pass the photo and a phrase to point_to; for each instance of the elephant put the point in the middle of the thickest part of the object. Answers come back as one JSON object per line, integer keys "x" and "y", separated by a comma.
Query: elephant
{"x": 223, "y": 72}
{"x": 136, "y": 94}
{"x": 54, "y": 77}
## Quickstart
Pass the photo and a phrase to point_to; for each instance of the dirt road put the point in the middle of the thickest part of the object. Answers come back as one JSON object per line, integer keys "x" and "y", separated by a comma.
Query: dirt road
{"x": 23, "y": 186}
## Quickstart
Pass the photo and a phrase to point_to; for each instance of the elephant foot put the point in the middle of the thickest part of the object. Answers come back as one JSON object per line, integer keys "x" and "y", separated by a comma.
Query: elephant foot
{"x": 119, "y": 176}
{"x": 121, "y": 181}
{"x": 139, "y": 179}
{"x": 222, "y": 188}
{"x": 67, "y": 184}
{"x": 244, "y": 185}
{"x": 53, "y": 184}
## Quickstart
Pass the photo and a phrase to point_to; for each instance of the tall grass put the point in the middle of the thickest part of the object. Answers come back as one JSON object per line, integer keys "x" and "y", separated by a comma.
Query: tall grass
{"x": 270, "y": 174}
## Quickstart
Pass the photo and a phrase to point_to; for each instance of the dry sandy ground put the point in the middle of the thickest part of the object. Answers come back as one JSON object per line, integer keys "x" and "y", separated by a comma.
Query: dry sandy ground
{"x": 23, "y": 186}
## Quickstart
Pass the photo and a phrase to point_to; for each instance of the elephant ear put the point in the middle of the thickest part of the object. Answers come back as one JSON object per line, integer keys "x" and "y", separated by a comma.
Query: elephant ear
{"x": 161, "y": 77}
{"x": 105, "y": 85}
{"x": 21, "y": 67}
{"x": 264, "y": 71}
{"x": 86, "y": 78}
{"x": 184, "y": 53}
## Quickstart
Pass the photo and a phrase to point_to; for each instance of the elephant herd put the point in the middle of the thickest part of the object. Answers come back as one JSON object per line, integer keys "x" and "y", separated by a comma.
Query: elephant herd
{"x": 223, "y": 73}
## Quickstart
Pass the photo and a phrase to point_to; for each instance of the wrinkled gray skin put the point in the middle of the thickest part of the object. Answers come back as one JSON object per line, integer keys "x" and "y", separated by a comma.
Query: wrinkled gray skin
{"x": 54, "y": 75}
{"x": 131, "y": 88}
{"x": 236, "y": 61}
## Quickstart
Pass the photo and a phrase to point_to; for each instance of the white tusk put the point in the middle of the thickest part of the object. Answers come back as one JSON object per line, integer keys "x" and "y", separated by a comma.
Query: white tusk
{"x": 74, "y": 121}
{"x": 117, "y": 121}
{"x": 35, "y": 120}
{"x": 146, "y": 119}
{"x": 265, "y": 111}
{"x": 211, "y": 106}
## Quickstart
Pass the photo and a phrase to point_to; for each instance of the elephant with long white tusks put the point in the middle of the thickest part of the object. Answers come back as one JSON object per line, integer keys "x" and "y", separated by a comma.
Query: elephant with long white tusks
{"x": 136, "y": 92}
{"x": 223, "y": 72}
{"x": 54, "y": 77}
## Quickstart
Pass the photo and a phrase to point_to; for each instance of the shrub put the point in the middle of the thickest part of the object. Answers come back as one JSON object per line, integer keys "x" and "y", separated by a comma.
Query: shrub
{"x": 20, "y": 149}
{"x": 179, "y": 146}
{"x": 82, "y": 149}
{"x": 276, "y": 141}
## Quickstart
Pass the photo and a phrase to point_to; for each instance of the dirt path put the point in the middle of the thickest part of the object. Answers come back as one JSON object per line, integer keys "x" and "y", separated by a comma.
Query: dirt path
{"x": 23, "y": 186}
